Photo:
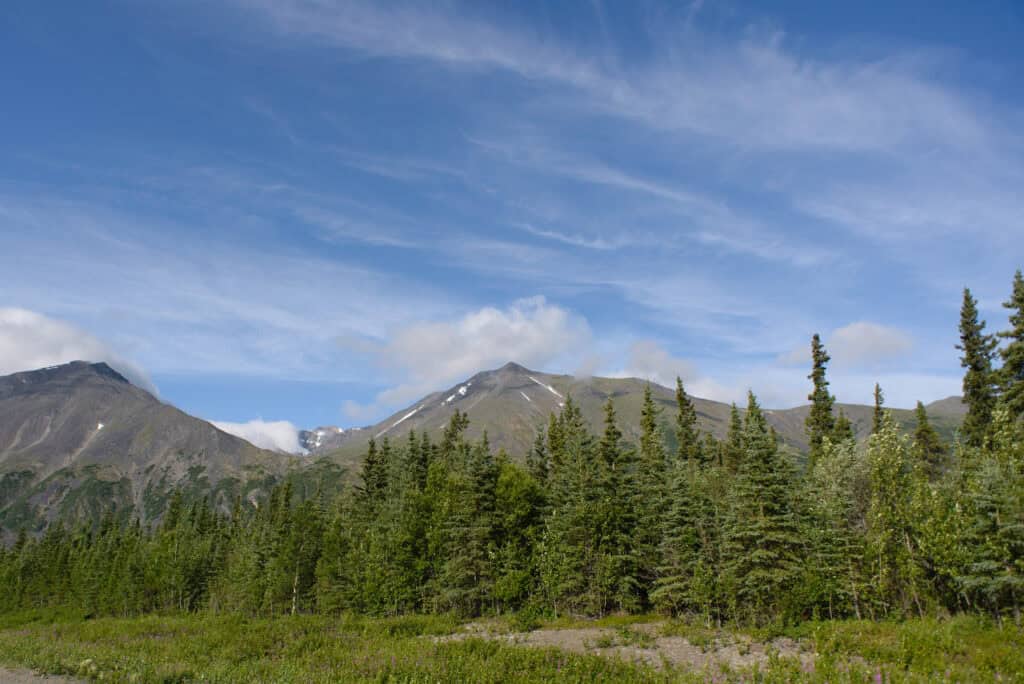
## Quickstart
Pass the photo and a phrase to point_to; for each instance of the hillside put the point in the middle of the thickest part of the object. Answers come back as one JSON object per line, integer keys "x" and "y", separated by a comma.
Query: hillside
{"x": 76, "y": 438}
{"x": 512, "y": 403}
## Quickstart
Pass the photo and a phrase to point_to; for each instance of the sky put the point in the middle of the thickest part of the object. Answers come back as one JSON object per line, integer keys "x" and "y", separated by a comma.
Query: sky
{"x": 299, "y": 212}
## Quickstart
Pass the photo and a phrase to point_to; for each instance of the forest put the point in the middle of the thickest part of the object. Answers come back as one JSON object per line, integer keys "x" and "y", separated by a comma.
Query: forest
{"x": 729, "y": 531}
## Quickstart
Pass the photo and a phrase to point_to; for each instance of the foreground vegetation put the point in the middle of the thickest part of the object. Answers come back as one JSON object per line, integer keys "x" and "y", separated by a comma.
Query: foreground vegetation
{"x": 413, "y": 649}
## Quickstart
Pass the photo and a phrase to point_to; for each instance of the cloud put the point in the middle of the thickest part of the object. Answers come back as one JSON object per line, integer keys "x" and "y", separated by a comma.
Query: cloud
{"x": 434, "y": 354}
{"x": 195, "y": 300}
{"x": 754, "y": 92}
{"x": 30, "y": 340}
{"x": 650, "y": 361}
{"x": 858, "y": 344}
{"x": 864, "y": 342}
{"x": 279, "y": 435}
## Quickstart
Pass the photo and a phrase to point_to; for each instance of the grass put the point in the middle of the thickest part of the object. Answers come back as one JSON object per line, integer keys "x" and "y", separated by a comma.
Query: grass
{"x": 180, "y": 648}
{"x": 287, "y": 649}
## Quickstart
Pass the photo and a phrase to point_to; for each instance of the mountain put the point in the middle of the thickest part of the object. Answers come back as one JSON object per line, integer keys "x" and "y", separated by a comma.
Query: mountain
{"x": 76, "y": 438}
{"x": 326, "y": 438}
{"x": 513, "y": 403}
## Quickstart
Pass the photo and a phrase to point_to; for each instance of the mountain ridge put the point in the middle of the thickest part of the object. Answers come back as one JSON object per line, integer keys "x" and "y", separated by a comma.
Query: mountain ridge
{"x": 513, "y": 402}
{"x": 79, "y": 436}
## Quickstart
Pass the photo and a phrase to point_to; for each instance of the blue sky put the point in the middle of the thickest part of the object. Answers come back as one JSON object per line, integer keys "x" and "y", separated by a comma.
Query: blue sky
{"x": 317, "y": 212}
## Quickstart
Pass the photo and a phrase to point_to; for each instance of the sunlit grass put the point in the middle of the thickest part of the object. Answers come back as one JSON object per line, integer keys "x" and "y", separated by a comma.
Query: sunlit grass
{"x": 231, "y": 648}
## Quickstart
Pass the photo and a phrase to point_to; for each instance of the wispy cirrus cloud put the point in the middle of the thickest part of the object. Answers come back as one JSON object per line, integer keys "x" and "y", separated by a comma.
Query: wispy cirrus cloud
{"x": 749, "y": 92}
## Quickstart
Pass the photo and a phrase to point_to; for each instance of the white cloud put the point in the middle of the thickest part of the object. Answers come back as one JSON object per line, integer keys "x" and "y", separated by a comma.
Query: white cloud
{"x": 866, "y": 343}
{"x": 755, "y": 92}
{"x": 650, "y": 361}
{"x": 199, "y": 304}
{"x": 279, "y": 435}
{"x": 431, "y": 355}
{"x": 859, "y": 344}
{"x": 30, "y": 340}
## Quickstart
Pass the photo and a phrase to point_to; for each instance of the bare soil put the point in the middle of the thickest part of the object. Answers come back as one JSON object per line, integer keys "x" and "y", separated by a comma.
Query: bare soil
{"x": 8, "y": 676}
{"x": 646, "y": 643}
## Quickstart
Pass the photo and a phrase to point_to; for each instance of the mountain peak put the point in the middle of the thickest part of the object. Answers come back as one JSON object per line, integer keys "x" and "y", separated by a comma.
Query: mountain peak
{"x": 70, "y": 370}
{"x": 513, "y": 367}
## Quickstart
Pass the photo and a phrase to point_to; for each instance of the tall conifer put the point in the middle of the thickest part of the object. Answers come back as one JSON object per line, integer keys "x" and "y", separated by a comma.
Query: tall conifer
{"x": 979, "y": 378}
{"x": 1011, "y": 375}
{"x": 879, "y": 413}
{"x": 687, "y": 439}
{"x": 928, "y": 446}
{"x": 652, "y": 470}
{"x": 820, "y": 421}
{"x": 762, "y": 543}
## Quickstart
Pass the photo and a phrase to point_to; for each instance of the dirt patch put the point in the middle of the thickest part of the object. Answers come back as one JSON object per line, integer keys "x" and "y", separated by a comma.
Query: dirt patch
{"x": 29, "y": 677}
{"x": 645, "y": 643}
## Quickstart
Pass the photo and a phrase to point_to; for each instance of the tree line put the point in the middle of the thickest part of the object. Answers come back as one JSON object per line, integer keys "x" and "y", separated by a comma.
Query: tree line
{"x": 720, "y": 530}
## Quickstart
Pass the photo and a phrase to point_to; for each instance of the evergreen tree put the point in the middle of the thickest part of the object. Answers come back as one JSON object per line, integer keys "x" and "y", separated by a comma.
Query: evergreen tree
{"x": 537, "y": 459}
{"x": 374, "y": 473}
{"x": 1011, "y": 375}
{"x": 651, "y": 474}
{"x": 687, "y": 438}
{"x": 616, "y": 578}
{"x": 519, "y": 510}
{"x": 820, "y": 421}
{"x": 979, "y": 379}
{"x": 843, "y": 428}
{"x": 994, "y": 579}
{"x": 680, "y": 544}
{"x": 762, "y": 544}
{"x": 928, "y": 446}
{"x": 732, "y": 448}
{"x": 567, "y": 554}
{"x": 879, "y": 413}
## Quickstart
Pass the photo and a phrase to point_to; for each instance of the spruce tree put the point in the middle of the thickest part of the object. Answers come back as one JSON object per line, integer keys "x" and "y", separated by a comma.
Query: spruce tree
{"x": 373, "y": 474}
{"x": 679, "y": 545}
{"x": 762, "y": 544}
{"x": 843, "y": 428}
{"x": 994, "y": 578}
{"x": 1011, "y": 375}
{"x": 979, "y": 378}
{"x": 652, "y": 469}
{"x": 928, "y": 446}
{"x": 687, "y": 439}
{"x": 879, "y": 413}
{"x": 820, "y": 421}
{"x": 537, "y": 459}
{"x": 616, "y": 579}
{"x": 567, "y": 553}
{"x": 732, "y": 448}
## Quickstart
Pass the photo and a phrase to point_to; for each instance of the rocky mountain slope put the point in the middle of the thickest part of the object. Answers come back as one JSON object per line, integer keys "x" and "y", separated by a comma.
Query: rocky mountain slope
{"x": 78, "y": 438}
{"x": 512, "y": 403}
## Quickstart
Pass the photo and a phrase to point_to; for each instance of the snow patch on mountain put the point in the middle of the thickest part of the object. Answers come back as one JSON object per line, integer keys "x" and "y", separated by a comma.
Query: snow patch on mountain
{"x": 401, "y": 420}
{"x": 549, "y": 388}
